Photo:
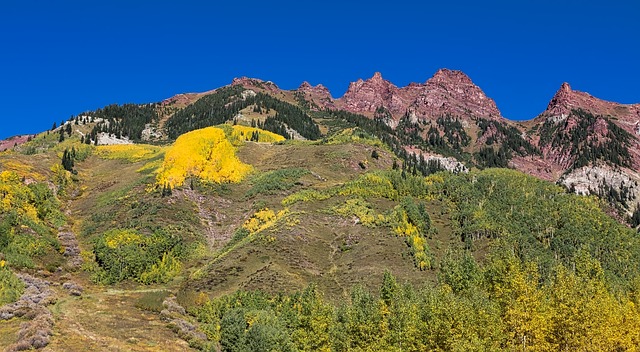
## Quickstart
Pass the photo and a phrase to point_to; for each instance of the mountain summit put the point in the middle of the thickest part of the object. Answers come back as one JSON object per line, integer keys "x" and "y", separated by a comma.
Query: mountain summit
{"x": 448, "y": 92}
{"x": 566, "y": 99}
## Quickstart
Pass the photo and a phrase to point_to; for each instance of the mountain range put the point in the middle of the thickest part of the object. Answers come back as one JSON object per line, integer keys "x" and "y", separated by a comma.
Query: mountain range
{"x": 587, "y": 144}
{"x": 253, "y": 218}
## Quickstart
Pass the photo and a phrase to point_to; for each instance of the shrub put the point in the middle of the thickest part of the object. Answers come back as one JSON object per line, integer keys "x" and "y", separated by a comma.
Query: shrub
{"x": 11, "y": 287}
{"x": 127, "y": 254}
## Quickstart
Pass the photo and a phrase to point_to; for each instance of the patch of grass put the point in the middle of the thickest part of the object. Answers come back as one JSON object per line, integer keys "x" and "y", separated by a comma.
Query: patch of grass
{"x": 275, "y": 181}
{"x": 152, "y": 300}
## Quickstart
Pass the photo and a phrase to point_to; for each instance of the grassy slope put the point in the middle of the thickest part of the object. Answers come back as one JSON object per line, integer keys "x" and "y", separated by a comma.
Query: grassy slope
{"x": 333, "y": 251}
{"x": 111, "y": 193}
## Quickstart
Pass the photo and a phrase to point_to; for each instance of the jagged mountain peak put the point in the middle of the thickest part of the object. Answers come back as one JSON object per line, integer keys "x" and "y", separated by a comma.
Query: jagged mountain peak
{"x": 445, "y": 75}
{"x": 447, "y": 92}
{"x": 365, "y": 96}
{"x": 318, "y": 96}
{"x": 306, "y": 86}
{"x": 565, "y": 87}
{"x": 566, "y": 99}
{"x": 377, "y": 77}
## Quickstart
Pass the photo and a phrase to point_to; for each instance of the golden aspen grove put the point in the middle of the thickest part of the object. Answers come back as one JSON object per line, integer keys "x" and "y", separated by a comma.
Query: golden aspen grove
{"x": 206, "y": 154}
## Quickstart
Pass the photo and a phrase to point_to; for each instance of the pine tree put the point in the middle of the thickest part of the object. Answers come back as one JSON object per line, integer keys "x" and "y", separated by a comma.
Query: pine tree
{"x": 67, "y": 159}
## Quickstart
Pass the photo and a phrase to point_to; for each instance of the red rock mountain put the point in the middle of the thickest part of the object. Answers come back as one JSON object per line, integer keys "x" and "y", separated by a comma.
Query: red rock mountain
{"x": 318, "y": 96}
{"x": 566, "y": 99}
{"x": 447, "y": 92}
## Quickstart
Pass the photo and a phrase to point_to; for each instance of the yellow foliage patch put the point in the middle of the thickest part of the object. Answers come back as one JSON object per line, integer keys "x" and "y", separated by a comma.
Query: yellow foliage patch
{"x": 362, "y": 210}
{"x": 244, "y": 133}
{"x": 22, "y": 169}
{"x": 204, "y": 153}
{"x": 16, "y": 196}
{"x": 263, "y": 219}
{"x": 305, "y": 195}
{"x": 115, "y": 239}
{"x": 129, "y": 152}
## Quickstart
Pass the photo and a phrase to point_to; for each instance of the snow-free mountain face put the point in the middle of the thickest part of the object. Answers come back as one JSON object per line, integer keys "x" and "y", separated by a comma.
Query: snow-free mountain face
{"x": 448, "y": 92}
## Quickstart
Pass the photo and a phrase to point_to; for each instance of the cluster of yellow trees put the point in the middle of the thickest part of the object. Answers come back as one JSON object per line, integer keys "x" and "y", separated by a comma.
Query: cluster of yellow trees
{"x": 206, "y": 154}
{"x": 245, "y": 133}
{"x": 129, "y": 152}
{"x": 16, "y": 196}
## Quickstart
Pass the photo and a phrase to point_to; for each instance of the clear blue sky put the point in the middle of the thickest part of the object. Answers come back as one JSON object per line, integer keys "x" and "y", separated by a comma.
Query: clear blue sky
{"x": 59, "y": 58}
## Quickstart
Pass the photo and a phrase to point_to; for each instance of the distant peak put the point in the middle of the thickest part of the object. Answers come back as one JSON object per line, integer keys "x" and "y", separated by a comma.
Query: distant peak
{"x": 304, "y": 85}
{"x": 255, "y": 82}
{"x": 447, "y": 75}
{"x": 377, "y": 77}
{"x": 562, "y": 95}
{"x": 244, "y": 79}
{"x": 565, "y": 87}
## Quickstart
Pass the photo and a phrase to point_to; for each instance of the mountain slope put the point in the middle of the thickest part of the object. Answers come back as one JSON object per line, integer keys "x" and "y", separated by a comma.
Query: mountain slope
{"x": 344, "y": 235}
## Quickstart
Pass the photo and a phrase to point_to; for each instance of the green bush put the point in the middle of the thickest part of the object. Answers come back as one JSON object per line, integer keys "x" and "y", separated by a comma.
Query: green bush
{"x": 10, "y": 286}
{"x": 127, "y": 254}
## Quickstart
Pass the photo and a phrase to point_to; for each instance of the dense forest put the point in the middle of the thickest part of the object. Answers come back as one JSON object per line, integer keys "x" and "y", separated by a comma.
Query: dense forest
{"x": 128, "y": 120}
{"x": 224, "y": 104}
{"x": 506, "y": 139}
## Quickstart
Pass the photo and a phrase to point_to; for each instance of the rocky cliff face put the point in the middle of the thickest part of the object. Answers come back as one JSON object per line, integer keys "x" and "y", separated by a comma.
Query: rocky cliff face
{"x": 448, "y": 92}
{"x": 367, "y": 96}
{"x": 452, "y": 92}
{"x": 318, "y": 97}
{"x": 14, "y": 141}
{"x": 617, "y": 185}
{"x": 610, "y": 121}
{"x": 256, "y": 84}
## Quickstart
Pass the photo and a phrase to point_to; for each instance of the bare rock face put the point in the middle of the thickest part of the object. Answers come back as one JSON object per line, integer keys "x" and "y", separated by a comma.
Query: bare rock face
{"x": 14, "y": 141}
{"x": 451, "y": 92}
{"x": 318, "y": 96}
{"x": 560, "y": 113}
{"x": 448, "y": 92}
{"x": 604, "y": 181}
{"x": 448, "y": 163}
{"x": 367, "y": 96}
{"x": 112, "y": 139}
